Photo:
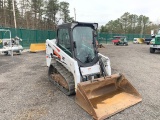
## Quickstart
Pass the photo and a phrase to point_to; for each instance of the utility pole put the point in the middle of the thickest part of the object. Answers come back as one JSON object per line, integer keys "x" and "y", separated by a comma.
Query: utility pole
{"x": 14, "y": 15}
{"x": 142, "y": 27}
{"x": 75, "y": 14}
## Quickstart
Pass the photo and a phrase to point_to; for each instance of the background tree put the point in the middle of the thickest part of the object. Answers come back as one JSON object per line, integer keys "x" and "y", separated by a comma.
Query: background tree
{"x": 26, "y": 14}
{"x": 45, "y": 14}
{"x": 9, "y": 12}
{"x": 64, "y": 12}
{"x": 2, "y": 13}
{"x": 37, "y": 9}
{"x": 52, "y": 10}
{"x": 129, "y": 24}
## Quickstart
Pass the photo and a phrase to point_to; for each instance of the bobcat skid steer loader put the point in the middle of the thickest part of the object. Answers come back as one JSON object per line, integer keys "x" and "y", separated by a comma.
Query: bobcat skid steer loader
{"x": 75, "y": 66}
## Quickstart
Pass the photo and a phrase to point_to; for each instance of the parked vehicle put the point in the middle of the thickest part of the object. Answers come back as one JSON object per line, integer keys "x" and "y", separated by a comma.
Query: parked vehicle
{"x": 155, "y": 42}
{"x": 138, "y": 40}
{"x": 120, "y": 40}
{"x": 135, "y": 41}
{"x": 147, "y": 40}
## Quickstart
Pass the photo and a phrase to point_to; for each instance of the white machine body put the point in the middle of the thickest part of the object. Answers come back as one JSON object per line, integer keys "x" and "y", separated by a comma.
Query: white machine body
{"x": 71, "y": 64}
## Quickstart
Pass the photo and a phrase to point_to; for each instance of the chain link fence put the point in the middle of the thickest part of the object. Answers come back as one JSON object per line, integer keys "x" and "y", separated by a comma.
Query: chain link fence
{"x": 28, "y": 36}
{"x": 39, "y": 36}
{"x": 107, "y": 37}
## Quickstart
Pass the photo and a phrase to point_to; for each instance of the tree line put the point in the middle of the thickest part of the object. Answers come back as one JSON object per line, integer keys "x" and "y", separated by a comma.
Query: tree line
{"x": 130, "y": 24}
{"x": 46, "y": 14}
{"x": 34, "y": 14}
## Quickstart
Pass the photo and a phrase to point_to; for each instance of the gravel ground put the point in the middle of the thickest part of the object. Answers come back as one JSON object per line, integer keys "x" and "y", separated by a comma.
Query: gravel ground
{"x": 26, "y": 93}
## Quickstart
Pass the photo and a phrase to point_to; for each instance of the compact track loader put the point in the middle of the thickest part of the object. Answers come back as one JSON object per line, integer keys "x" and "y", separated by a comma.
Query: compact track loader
{"x": 75, "y": 66}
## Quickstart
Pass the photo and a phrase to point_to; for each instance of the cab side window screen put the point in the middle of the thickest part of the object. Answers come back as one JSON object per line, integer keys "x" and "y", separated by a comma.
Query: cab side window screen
{"x": 64, "y": 40}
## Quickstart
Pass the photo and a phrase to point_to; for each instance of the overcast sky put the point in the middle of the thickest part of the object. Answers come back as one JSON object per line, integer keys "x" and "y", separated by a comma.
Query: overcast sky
{"x": 102, "y": 11}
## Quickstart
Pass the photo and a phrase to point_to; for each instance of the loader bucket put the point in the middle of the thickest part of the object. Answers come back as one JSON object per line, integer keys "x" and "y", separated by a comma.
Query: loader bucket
{"x": 105, "y": 97}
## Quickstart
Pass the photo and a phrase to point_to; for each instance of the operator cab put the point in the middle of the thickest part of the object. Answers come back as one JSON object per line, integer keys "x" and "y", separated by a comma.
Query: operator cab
{"x": 78, "y": 40}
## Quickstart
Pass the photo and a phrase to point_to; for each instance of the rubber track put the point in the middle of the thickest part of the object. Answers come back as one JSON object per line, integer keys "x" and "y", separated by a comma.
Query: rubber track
{"x": 67, "y": 76}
